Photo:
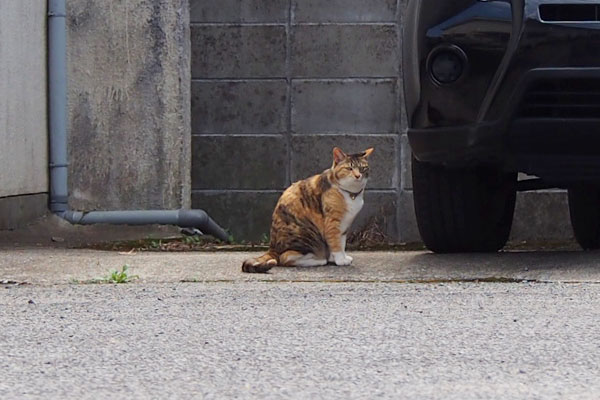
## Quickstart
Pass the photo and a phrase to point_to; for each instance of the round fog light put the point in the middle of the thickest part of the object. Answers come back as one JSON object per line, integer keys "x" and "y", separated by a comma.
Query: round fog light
{"x": 447, "y": 64}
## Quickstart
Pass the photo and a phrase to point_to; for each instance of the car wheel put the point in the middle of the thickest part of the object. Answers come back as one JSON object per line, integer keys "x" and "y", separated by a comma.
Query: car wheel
{"x": 584, "y": 208}
{"x": 463, "y": 210}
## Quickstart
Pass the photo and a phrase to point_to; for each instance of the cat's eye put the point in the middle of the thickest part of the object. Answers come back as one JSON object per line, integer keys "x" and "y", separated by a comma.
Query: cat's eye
{"x": 363, "y": 169}
{"x": 349, "y": 168}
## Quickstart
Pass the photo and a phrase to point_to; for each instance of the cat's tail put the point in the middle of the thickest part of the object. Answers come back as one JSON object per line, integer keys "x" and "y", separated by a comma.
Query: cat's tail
{"x": 261, "y": 264}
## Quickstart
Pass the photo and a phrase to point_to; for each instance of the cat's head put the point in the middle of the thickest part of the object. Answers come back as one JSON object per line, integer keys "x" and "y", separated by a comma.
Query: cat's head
{"x": 351, "y": 171}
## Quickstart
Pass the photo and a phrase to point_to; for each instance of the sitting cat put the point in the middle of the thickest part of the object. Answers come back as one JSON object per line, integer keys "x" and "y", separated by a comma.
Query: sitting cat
{"x": 312, "y": 217}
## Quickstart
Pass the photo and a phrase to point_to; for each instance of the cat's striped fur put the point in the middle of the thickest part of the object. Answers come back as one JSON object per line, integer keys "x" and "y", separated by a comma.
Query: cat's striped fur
{"x": 312, "y": 216}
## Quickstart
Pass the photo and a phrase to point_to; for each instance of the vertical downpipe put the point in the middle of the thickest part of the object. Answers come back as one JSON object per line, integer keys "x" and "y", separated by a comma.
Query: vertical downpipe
{"x": 57, "y": 127}
{"x": 57, "y": 105}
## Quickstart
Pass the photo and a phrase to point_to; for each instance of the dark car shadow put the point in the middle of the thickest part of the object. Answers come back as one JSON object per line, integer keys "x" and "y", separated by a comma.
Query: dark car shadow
{"x": 424, "y": 266}
{"x": 510, "y": 265}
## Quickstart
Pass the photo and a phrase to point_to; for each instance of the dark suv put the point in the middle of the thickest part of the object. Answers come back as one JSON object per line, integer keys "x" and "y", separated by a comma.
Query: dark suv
{"x": 493, "y": 88}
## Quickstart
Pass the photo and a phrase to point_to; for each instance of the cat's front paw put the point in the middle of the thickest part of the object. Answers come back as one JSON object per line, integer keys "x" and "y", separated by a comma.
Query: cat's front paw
{"x": 341, "y": 259}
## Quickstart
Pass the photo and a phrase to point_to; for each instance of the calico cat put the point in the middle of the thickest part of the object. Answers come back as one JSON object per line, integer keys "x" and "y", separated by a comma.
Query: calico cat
{"x": 312, "y": 217}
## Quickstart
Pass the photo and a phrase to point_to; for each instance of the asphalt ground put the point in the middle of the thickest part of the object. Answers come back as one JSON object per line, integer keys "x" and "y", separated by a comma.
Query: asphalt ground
{"x": 300, "y": 340}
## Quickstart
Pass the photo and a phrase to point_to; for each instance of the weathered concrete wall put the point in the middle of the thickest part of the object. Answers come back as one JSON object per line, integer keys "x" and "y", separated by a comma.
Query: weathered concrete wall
{"x": 129, "y": 114}
{"x": 277, "y": 83}
{"x": 23, "y": 123}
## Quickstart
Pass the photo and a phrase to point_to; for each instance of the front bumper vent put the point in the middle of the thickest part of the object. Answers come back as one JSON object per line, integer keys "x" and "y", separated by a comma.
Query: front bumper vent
{"x": 569, "y": 12}
{"x": 563, "y": 98}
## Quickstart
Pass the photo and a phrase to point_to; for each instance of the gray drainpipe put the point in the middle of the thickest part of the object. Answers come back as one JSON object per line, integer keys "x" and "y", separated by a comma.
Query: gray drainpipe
{"x": 57, "y": 104}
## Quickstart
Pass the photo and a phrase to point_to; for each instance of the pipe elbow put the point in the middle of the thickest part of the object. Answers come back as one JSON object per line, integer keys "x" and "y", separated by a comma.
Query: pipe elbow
{"x": 192, "y": 218}
{"x": 201, "y": 220}
{"x": 70, "y": 216}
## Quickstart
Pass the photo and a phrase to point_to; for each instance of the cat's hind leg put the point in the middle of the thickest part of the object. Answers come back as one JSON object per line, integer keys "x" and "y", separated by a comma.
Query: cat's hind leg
{"x": 293, "y": 258}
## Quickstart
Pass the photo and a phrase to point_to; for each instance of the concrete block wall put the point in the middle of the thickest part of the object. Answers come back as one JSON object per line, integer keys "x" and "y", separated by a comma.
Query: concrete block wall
{"x": 277, "y": 83}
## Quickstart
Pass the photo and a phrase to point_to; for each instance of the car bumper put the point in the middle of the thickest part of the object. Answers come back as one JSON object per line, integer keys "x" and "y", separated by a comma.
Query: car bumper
{"x": 447, "y": 126}
{"x": 458, "y": 145}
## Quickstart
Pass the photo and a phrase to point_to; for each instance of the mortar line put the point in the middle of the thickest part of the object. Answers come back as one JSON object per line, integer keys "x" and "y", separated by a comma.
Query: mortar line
{"x": 288, "y": 74}
{"x": 300, "y": 79}
{"x": 293, "y": 135}
{"x": 224, "y": 191}
{"x": 268, "y": 191}
{"x": 236, "y": 24}
{"x": 238, "y": 134}
{"x": 301, "y": 134}
{"x": 359, "y": 79}
{"x": 231, "y": 79}
{"x": 399, "y": 151}
{"x": 370, "y": 23}
{"x": 289, "y": 23}
{"x": 344, "y": 133}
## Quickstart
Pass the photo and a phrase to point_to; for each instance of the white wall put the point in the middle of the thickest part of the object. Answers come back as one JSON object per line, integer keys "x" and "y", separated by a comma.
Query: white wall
{"x": 23, "y": 126}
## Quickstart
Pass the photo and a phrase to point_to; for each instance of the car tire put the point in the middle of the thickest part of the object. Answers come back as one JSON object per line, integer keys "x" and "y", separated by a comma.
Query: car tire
{"x": 463, "y": 210}
{"x": 584, "y": 208}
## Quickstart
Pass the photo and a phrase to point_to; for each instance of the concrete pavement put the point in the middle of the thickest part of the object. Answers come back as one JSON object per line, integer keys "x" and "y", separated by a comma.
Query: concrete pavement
{"x": 61, "y": 266}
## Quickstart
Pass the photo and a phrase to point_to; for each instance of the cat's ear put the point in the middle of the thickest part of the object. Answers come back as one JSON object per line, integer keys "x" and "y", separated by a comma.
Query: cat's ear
{"x": 368, "y": 152}
{"x": 338, "y": 155}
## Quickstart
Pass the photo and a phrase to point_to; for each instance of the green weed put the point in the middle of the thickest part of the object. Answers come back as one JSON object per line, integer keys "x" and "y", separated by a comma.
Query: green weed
{"x": 120, "y": 276}
{"x": 265, "y": 238}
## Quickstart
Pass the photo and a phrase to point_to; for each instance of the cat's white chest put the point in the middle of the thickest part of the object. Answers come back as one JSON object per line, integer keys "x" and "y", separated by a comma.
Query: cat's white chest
{"x": 353, "y": 206}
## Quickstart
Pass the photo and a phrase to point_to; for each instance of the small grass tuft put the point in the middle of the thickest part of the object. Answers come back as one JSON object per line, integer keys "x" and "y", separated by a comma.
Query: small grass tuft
{"x": 265, "y": 239}
{"x": 120, "y": 276}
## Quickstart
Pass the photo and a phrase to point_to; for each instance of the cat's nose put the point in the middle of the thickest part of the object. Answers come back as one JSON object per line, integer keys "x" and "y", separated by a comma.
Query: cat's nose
{"x": 357, "y": 175}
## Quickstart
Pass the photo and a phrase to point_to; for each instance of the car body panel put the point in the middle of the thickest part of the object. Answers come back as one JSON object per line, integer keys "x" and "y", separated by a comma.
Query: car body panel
{"x": 527, "y": 80}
